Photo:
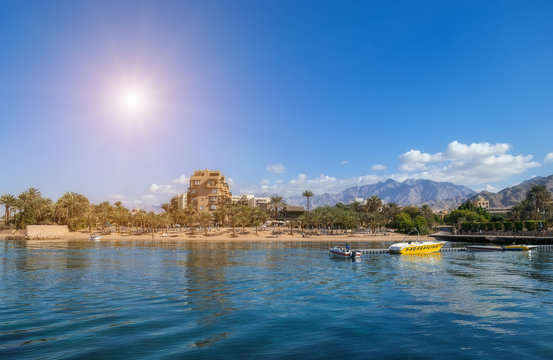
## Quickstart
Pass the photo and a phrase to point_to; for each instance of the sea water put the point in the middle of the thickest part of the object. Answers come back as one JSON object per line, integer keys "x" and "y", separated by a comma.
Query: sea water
{"x": 274, "y": 300}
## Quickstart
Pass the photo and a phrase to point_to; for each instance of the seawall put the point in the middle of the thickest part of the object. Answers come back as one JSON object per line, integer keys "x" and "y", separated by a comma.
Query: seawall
{"x": 36, "y": 232}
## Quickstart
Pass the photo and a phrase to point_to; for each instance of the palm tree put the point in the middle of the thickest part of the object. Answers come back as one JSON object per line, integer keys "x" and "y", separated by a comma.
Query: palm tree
{"x": 153, "y": 221}
{"x": 223, "y": 211}
{"x": 190, "y": 216}
{"x": 305, "y": 220}
{"x": 204, "y": 219}
{"x": 9, "y": 202}
{"x": 355, "y": 206}
{"x": 234, "y": 217}
{"x": 276, "y": 205}
{"x": 43, "y": 209}
{"x": 259, "y": 217}
{"x": 245, "y": 217}
{"x": 374, "y": 204}
{"x": 538, "y": 200}
{"x": 72, "y": 207}
{"x": 308, "y": 194}
{"x": 165, "y": 220}
{"x": 120, "y": 215}
{"x": 103, "y": 212}
{"x": 350, "y": 219}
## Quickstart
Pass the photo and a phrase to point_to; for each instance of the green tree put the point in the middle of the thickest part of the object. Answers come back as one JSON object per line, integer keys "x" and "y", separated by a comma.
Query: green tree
{"x": 374, "y": 204}
{"x": 204, "y": 219}
{"x": 403, "y": 222}
{"x": 9, "y": 202}
{"x": 190, "y": 216}
{"x": 276, "y": 205}
{"x": 350, "y": 219}
{"x": 259, "y": 217}
{"x": 120, "y": 215}
{"x": 539, "y": 202}
{"x": 308, "y": 194}
{"x": 73, "y": 207}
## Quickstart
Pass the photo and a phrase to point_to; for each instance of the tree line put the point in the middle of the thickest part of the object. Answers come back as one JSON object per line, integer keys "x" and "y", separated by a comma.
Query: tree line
{"x": 75, "y": 210}
{"x": 534, "y": 212}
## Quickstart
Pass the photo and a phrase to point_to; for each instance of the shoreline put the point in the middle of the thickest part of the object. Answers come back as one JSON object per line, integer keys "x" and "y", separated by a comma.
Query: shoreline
{"x": 225, "y": 236}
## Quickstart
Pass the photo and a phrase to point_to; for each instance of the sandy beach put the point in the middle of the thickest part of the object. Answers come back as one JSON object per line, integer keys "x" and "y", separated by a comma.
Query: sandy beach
{"x": 226, "y": 235}
{"x": 248, "y": 236}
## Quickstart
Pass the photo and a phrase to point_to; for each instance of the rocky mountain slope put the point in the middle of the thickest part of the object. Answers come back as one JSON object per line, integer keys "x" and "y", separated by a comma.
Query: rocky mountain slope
{"x": 439, "y": 195}
{"x": 510, "y": 196}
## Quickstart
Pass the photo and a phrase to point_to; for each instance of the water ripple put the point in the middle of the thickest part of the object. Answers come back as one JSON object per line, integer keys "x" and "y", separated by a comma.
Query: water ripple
{"x": 269, "y": 300}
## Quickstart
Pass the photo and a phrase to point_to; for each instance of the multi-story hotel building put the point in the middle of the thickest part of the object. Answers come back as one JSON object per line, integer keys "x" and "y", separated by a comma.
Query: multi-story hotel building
{"x": 208, "y": 189}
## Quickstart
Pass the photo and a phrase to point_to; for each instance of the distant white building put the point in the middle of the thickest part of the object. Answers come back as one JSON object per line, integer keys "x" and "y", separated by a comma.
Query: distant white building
{"x": 181, "y": 201}
{"x": 252, "y": 202}
{"x": 361, "y": 201}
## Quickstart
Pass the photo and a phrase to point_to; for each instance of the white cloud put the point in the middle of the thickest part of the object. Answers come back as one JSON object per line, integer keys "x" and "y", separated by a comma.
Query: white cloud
{"x": 181, "y": 180}
{"x": 549, "y": 158}
{"x": 378, "y": 167}
{"x": 319, "y": 185}
{"x": 473, "y": 164}
{"x": 414, "y": 160}
{"x": 276, "y": 168}
{"x": 344, "y": 162}
{"x": 489, "y": 188}
{"x": 173, "y": 187}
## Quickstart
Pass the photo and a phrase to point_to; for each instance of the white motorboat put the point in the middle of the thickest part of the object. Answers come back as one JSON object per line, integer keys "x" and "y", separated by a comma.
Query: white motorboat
{"x": 95, "y": 237}
{"x": 500, "y": 248}
{"x": 341, "y": 253}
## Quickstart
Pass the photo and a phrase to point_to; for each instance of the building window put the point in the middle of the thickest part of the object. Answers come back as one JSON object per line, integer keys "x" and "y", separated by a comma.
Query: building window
{"x": 214, "y": 198}
{"x": 213, "y": 207}
{"x": 214, "y": 191}
{"x": 196, "y": 182}
{"x": 201, "y": 208}
{"x": 193, "y": 191}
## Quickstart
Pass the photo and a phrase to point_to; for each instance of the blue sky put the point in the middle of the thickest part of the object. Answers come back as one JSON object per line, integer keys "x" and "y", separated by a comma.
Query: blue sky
{"x": 281, "y": 96}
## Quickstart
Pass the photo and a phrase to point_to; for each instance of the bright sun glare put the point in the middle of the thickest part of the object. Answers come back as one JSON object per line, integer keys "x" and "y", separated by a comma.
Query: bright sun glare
{"x": 133, "y": 102}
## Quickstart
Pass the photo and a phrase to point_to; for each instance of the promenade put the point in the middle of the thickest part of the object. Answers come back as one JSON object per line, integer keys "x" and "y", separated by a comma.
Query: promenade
{"x": 534, "y": 238}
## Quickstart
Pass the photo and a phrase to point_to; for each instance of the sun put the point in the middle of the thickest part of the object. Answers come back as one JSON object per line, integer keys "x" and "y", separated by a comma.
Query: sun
{"x": 133, "y": 101}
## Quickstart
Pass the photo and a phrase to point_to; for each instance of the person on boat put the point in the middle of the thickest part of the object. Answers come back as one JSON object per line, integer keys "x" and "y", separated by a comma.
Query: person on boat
{"x": 347, "y": 247}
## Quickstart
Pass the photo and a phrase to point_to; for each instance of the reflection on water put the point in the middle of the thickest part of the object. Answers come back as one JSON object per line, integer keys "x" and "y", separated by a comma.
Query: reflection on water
{"x": 274, "y": 299}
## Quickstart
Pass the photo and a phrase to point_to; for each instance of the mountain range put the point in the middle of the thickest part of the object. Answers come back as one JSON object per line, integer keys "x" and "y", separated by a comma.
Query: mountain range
{"x": 510, "y": 196}
{"x": 439, "y": 195}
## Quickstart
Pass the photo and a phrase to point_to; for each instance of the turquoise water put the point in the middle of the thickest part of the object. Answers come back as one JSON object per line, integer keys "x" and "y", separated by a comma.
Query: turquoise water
{"x": 232, "y": 300}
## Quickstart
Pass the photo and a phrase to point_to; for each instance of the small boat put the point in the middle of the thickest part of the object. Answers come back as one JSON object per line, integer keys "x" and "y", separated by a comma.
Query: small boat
{"x": 95, "y": 237}
{"x": 500, "y": 248}
{"x": 520, "y": 247}
{"x": 416, "y": 247}
{"x": 341, "y": 253}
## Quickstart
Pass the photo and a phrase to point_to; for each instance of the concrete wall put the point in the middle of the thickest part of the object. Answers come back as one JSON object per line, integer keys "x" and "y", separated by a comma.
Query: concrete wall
{"x": 45, "y": 231}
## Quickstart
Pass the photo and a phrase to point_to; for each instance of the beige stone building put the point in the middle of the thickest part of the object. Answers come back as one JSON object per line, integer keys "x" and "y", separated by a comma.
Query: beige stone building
{"x": 481, "y": 202}
{"x": 208, "y": 190}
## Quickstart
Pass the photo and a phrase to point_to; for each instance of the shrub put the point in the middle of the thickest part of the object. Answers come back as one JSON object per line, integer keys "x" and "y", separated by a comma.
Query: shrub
{"x": 508, "y": 226}
{"x": 518, "y": 225}
{"x": 466, "y": 226}
{"x": 498, "y": 226}
{"x": 530, "y": 225}
{"x": 489, "y": 226}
